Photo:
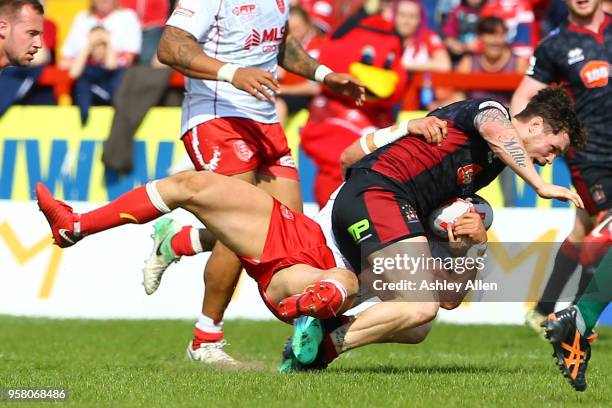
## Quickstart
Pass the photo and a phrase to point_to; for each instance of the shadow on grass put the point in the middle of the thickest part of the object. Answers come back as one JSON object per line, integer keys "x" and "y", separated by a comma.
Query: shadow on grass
{"x": 432, "y": 369}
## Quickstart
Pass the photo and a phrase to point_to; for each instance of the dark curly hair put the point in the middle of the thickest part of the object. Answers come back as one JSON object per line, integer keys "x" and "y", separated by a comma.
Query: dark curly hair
{"x": 557, "y": 109}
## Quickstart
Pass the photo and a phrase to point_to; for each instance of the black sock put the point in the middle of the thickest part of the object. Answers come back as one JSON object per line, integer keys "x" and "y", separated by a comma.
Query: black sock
{"x": 566, "y": 262}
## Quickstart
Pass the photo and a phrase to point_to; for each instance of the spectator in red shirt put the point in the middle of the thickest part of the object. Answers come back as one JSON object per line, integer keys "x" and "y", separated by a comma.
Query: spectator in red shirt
{"x": 423, "y": 48}
{"x": 152, "y": 15}
{"x": 459, "y": 29}
{"x": 518, "y": 16}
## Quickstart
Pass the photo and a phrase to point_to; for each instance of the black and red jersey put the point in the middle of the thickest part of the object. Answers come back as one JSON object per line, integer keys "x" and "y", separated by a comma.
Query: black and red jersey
{"x": 461, "y": 165}
{"x": 580, "y": 59}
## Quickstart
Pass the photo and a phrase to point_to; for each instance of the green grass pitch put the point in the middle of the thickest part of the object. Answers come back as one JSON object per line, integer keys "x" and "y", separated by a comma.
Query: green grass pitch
{"x": 141, "y": 363}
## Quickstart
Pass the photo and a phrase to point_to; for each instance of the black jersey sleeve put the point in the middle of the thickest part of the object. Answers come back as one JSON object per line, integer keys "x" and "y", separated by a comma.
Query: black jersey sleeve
{"x": 542, "y": 65}
{"x": 463, "y": 113}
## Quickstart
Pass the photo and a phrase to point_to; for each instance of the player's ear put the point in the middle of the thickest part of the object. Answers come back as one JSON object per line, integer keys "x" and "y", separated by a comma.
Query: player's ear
{"x": 536, "y": 125}
{"x": 4, "y": 26}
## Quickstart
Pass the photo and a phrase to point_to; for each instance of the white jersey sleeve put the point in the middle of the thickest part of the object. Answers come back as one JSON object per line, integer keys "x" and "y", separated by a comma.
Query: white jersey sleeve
{"x": 232, "y": 31}
{"x": 194, "y": 16}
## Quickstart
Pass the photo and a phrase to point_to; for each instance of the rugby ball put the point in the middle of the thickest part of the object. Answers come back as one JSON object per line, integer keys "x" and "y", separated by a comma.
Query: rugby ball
{"x": 440, "y": 218}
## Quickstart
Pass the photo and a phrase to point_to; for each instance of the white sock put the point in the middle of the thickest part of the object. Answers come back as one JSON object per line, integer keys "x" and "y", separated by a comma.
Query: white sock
{"x": 155, "y": 197}
{"x": 206, "y": 324}
{"x": 580, "y": 324}
{"x": 196, "y": 245}
{"x": 340, "y": 287}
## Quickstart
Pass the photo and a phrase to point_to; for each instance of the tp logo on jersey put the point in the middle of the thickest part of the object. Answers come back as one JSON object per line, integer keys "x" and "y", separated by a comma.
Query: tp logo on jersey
{"x": 357, "y": 229}
{"x": 281, "y": 6}
{"x": 595, "y": 74}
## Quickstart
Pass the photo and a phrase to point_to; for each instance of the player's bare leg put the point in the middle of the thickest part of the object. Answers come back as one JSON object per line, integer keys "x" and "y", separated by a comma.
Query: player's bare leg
{"x": 222, "y": 271}
{"x": 221, "y": 275}
{"x": 396, "y": 319}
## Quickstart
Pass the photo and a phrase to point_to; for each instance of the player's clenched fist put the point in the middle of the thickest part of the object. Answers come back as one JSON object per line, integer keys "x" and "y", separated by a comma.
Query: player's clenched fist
{"x": 257, "y": 82}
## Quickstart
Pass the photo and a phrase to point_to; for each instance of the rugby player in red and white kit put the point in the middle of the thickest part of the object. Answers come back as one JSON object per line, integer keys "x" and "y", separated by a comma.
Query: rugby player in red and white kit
{"x": 229, "y": 51}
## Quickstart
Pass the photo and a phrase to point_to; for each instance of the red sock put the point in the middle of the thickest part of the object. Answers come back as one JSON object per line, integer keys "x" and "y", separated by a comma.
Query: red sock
{"x": 200, "y": 337}
{"x": 132, "y": 207}
{"x": 571, "y": 249}
{"x": 181, "y": 242}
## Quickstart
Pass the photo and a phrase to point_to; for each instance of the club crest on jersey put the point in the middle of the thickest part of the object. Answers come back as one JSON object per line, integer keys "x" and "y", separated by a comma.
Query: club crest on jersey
{"x": 243, "y": 151}
{"x": 595, "y": 74}
{"x": 597, "y": 192}
{"x": 285, "y": 212}
{"x": 409, "y": 213}
{"x": 281, "y": 6}
{"x": 287, "y": 161}
{"x": 466, "y": 174}
{"x": 575, "y": 55}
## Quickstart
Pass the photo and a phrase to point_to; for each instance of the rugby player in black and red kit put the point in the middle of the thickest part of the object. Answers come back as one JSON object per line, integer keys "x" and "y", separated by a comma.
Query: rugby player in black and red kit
{"x": 378, "y": 211}
{"x": 578, "y": 54}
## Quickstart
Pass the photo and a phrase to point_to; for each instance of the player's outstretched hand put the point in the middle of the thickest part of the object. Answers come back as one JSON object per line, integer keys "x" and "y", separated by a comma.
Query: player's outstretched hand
{"x": 347, "y": 85}
{"x": 433, "y": 129}
{"x": 560, "y": 193}
{"x": 259, "y": 83}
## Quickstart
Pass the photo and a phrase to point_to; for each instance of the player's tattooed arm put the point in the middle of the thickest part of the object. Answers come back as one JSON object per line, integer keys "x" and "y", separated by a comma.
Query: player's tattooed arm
{"x": 497, "y": 129}
{"x": 295, "y": 59}
{"x": 181, "y": 51}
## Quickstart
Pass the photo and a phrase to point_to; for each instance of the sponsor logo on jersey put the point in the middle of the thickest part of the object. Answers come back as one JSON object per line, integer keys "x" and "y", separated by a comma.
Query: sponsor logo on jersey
{"x": 253, "y": 40}
{"x": 281, "y": 6}
{"x": 595, "y": 74}
{"x": 256, "y": 38}
{"x": 357, "y": 229}
{"x": 243, "y": 151}
{"x": 244, "y": 9}
{"x": 575, "y": 55}
{"x": 287, "y": 161}
{"x": 287, "y": 213}
{"x": 466, "y": 174}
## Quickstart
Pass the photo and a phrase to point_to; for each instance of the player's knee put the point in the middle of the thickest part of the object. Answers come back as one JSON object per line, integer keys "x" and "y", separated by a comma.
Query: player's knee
{"x": 189, "y": 183}
{"x": 425, "y": 312}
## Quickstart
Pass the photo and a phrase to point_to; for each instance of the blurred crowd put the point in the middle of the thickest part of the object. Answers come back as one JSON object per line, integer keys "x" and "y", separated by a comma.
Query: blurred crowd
{"x": 110, "y": 53}
{"x": 111, "y": 36}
